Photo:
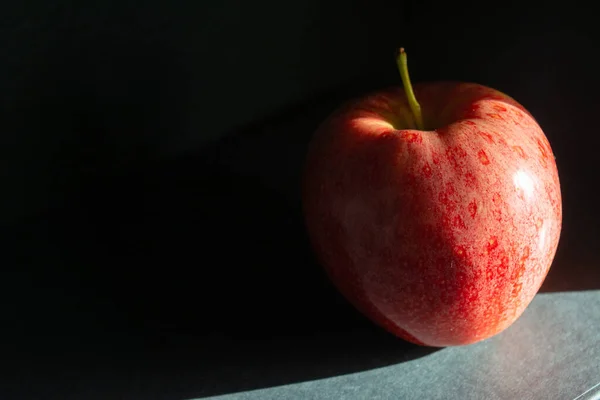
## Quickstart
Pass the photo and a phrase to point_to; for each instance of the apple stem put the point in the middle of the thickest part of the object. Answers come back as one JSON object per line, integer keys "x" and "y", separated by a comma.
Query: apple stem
{"x": 414, "y": 105}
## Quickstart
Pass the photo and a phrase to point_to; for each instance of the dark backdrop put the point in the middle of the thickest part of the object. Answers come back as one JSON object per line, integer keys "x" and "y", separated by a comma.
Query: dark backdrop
{"x": 150, "y": 225}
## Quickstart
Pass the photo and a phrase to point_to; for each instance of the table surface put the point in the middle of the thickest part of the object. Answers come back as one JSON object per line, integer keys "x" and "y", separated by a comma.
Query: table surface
{"x": 552, "y": 352}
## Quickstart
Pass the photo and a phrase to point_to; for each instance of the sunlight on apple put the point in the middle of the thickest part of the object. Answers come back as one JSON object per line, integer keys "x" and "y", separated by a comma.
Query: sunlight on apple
{"x": 543, "y": 235}
{"x": 371, "y": 123}
{"x": 524, "y": 182}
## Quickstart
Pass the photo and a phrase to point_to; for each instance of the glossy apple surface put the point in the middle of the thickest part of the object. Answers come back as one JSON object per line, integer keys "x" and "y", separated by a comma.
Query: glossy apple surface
{"x": 441, "y": 236}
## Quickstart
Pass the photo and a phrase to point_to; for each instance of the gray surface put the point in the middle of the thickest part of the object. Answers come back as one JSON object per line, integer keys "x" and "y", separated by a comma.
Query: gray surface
{"x": 551, "y": 352}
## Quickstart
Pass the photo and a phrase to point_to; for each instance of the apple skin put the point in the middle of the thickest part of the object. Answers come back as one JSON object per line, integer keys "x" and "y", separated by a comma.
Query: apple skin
{"x": 442, "y": 237}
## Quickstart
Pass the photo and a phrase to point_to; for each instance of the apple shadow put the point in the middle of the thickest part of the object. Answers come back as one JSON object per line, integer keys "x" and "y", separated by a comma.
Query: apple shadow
{"x": 194, "y": 274}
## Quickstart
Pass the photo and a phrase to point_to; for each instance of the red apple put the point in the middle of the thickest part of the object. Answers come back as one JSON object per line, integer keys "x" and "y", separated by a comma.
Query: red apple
{"x": 439, "y": 227}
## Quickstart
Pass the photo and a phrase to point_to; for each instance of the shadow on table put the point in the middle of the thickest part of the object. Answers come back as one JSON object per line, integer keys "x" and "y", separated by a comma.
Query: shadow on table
{"x": 182, "y": 279}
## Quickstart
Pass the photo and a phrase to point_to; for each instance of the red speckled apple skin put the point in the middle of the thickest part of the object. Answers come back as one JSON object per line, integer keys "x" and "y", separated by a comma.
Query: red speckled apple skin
{"x": 443, "y": 237}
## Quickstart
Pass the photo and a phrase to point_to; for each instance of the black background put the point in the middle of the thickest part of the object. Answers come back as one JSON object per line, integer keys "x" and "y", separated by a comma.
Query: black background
{"x": 152, "y": 243}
